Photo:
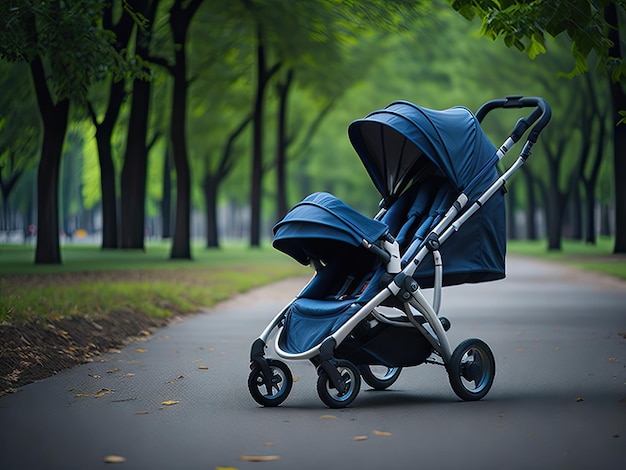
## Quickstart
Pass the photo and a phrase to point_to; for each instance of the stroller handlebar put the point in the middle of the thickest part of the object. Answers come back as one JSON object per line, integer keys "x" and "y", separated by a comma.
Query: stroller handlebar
{"x": 541, "y": 115}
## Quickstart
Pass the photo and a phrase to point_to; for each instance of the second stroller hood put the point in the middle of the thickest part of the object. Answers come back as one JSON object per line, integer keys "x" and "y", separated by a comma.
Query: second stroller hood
{"x": 396, "y": 143}
{"x": 322, "y": 216}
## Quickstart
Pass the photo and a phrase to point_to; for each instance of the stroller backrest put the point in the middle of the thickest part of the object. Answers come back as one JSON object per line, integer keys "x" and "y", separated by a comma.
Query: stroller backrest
{"x": 418, "y": 210}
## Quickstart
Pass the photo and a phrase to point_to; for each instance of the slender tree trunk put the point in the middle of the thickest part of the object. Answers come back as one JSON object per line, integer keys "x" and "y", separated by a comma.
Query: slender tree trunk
{"x": 210, "y": 202}
{"x": 281, "y": 156}
{"x": 257, "y": 146}
{"x": 212, "y": 181}
{"x": 180, "y": 18}
{"x": 104, "y": 131}
{"x": 511, "y": 212}
{"x": 618, "y": 99}
{"x": 134, "y": 171}
{"x": 531, "y": 204}
{"x": 54, "y": 117}
{"x": 166, "y": 199}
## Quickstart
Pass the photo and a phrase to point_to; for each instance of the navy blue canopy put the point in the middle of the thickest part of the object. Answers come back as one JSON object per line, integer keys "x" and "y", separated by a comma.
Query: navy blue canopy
{"x": 323, "y": 217}
{"x": 402, "y": 142}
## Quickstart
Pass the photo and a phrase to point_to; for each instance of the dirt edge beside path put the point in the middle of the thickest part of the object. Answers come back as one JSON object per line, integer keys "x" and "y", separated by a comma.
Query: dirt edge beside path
{"x": 39, "y": 348}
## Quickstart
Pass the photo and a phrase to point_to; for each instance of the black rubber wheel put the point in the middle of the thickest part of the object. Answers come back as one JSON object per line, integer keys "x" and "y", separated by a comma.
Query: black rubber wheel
{"x": 281, "y": 383}
{"x": 329, "y": 394}
{"x": 472, "y": 369}
{"x": 380, "y": 377}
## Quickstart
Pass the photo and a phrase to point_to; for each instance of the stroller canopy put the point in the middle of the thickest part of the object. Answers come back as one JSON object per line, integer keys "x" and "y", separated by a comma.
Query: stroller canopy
{"x": 322, "y": 218}
{"x": 402, "y": 142}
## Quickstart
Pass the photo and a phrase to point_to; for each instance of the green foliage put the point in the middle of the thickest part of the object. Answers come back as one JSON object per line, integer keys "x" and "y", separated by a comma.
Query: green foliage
{"x": 522, "y": 25}
{"x": 68, "y": 35}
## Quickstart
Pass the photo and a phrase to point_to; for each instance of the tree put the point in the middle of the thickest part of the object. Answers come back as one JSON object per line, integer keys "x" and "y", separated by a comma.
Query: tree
{"x": 66, "y": 51}
{"x": 592, "y": 26}
{"x": 181, "y": 14}
{"x": 19, "y": 129}
{"x": 122, "y": 29}
{"x": 133, "y": 179}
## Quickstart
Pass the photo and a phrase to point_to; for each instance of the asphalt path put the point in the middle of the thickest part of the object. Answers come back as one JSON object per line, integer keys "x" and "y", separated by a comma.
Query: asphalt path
{"x": 179, "y": 399}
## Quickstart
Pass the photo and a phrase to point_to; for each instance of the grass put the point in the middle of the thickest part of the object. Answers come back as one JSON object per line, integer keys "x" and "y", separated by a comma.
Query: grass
{"x": 95, "y": 282}
{"x": 598, "y": 257}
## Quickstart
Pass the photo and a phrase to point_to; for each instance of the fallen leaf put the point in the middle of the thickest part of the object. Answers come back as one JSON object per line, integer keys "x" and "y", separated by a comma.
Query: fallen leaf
{"x": 114, "y": 459}
{"x": 111, "y": 371}
{"x": 381, "y": 433}
{"x": 359, "y": 438}
{"x": 140, "y": 350}
{"x": 94, "y": 376}
{"x": 130, "y": 374}
{"x": 102, "y": 392}
{"x": 612, "y": 359}
{"x": 143, "y": 412}
{"x": 225, "y": 468}
{"x": 295, "y": 379}
{"x": 579, "y": 399}
{"x": 81, "y": 395}
{"x": 203, "y": 368}
{"x": 327, "y": 417}
{"x": 269, "y": 444}
{"x": 170, "y": 402}
{"x": 259, "y": 458}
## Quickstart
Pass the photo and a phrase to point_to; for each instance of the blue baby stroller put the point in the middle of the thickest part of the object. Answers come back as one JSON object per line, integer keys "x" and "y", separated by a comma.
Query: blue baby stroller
{"x": 363, "y": 314}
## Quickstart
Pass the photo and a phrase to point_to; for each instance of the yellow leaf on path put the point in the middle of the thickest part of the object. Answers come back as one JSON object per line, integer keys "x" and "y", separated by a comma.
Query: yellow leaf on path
{"x": 81, "y": 395}
{"x": 579, "y": 399}
{"x": 295, "y": 379}
{"x": 359, "y": 438}
{"x": 381, "y": 433}
{"x": 327, "y": 417}
{"x": 140, "y": 350}
{"x": 130, "y": 374}
{"x": 170, "y": 402}
{"x": 225, "y": 468}
{"x": 612, "y": 359}
{"x": 203, "y": 368}
{"x": 102, "y": 392}
{"x": 259, "y": 458}
{"x": 114, "y": 459}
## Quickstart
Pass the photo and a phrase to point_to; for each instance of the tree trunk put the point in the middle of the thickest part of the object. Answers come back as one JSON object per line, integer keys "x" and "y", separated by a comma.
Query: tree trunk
{"x": 104, "y": 131}
{"x": 281, "y": 144}
{"x": 180, "y": 19}
{"x": 136, "y": 156}
{"x": 210, "y": 202}
{"x": 531, "y": 204}
{"x": 257, "y": 146}
{"x": 166, "y": 198}
{"x": 512, "y": 204}
{"x": 618, "y": 99}
{"x": 54, "y": 117}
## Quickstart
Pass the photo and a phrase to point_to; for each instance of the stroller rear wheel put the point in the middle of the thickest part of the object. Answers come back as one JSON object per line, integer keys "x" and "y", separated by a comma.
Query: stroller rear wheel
{"x": 274, "y": 392}
{"x": 332, "y": 397}
{"x": 472, "y": 369}
{"x": 380, "y": 377}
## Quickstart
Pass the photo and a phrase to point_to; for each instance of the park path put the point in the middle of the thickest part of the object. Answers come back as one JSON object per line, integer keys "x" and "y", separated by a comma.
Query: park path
{"x": 179, "y": 399}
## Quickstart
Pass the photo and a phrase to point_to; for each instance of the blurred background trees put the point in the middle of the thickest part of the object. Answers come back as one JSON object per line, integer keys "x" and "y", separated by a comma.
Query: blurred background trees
{"x": 194, "y": 119}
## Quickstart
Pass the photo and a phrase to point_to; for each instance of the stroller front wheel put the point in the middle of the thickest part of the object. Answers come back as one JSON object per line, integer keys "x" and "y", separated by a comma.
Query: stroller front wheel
{"x": 380, "y": 377}
{"x": 332, "y": 397}
{"x": 274, "y": 391}
{"x": 472, "y": 369}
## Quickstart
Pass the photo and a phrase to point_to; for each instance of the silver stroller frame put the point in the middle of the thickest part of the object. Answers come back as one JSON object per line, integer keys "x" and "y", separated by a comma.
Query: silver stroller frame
{"x": 470, "y": 362}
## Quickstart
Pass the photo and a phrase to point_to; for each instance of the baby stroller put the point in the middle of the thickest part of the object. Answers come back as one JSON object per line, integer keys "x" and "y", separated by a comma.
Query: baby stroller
{"x": 363, "y": 314}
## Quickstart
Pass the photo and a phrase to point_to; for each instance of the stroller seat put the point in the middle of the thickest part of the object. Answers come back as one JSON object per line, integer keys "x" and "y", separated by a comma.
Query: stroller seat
{"x": 309, "y": 321}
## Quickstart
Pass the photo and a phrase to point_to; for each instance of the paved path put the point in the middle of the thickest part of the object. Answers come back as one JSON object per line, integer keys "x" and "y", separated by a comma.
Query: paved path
{"x": 558, "y": 401}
